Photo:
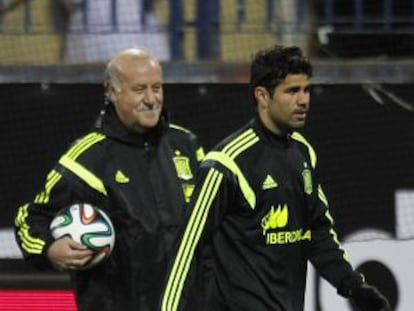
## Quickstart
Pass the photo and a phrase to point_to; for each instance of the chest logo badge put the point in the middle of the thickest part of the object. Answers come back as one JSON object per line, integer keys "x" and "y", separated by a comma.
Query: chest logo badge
{"x": 307, "y": 179}
{"x": 182, "y": 166}
{"x": 277, "y": 218}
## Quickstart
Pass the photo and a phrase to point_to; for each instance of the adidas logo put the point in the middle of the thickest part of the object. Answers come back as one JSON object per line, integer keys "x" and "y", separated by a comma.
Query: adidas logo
{"x": 121, "y": 178}
{"x": 269, "y": 183}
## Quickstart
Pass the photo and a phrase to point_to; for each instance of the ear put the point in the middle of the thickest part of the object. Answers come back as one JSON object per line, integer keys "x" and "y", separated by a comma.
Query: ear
{"x": 110, "y": 93}
{"x": 262, "y": 97}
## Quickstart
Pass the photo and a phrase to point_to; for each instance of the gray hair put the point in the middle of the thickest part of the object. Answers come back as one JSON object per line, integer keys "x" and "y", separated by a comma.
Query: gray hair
{"x": 111, "y": 76}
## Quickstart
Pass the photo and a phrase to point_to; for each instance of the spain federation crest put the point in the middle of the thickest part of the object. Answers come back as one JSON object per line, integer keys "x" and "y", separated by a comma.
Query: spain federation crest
{"x": 182, "y": 166}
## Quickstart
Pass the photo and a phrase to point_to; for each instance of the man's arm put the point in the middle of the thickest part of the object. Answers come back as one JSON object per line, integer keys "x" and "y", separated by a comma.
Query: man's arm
{"x": 331, "y": 261}
{"x": 209, "y": 200}
{"x": 32, "y": 227}
{"x": 327, "y": 254}
{"x": 69, "y": 182}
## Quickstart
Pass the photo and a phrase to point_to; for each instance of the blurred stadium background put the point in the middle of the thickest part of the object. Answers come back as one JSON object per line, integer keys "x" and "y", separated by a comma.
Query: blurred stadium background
{"x": 361, "y": 121}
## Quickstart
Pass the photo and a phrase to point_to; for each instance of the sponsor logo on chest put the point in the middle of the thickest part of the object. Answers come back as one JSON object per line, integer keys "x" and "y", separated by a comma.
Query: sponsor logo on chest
{"x": 273, "y": 224}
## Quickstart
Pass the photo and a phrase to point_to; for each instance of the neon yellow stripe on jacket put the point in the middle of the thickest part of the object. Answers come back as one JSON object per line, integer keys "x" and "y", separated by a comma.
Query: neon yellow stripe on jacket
{"x": 321, "y": 194}
{"x": 84, "y": 174}
{"x": 200, "y": 212}
{"x": 312, "y": 154}
{"x": 229, "y": 163}
{"x": 76, "y": 150}
{"x": 68, "y": 161}
{"x": 200, "y": 154}
{"x": 190, "y": 240}
{"x": 29, "y": 244}
{"x": 236, "y": 143}
{"x": 84, "y": 144}
{"x": 177, "y": 127}
{"x": 226, "y": 157}
{"x": 34, "y": 245}
{"x": 52, "y": 178}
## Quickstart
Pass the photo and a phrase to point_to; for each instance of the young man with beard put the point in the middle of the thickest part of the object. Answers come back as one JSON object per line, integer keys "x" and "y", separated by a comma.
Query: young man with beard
{"x": 259, "y": 213}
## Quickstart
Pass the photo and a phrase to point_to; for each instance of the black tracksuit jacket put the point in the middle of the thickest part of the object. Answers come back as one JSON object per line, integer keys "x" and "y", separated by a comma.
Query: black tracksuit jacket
{"x": 259, "y": 214}
{"x": 147, "y": 207}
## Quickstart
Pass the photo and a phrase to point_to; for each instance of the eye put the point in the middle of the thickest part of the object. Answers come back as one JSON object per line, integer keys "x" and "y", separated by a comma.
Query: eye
{"x": 293, "y": 90}
{"x": 156, "y": 88}
{"x": 138, "y": 89}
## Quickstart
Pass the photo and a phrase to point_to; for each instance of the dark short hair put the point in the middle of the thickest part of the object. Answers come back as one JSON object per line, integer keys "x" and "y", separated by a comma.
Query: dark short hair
{"x": 271, "y": 66}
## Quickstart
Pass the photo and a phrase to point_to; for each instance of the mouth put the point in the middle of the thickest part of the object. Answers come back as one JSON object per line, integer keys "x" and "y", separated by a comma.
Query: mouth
{"x": 300, "y": 114}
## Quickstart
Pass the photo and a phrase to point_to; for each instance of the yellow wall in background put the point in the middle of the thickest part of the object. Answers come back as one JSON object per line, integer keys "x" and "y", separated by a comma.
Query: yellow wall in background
{"x": 237, "y": 45}
{"x": 189, "y": 30}
{"x": 40, "y": 46}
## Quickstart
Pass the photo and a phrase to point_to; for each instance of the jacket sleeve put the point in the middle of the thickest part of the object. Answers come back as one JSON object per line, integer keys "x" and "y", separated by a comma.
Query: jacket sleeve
{"x": 65, "y": 184}
{"x": 213, "y": 190}
{"x": 326, "y": 252}
{"x": 33, "y": 218}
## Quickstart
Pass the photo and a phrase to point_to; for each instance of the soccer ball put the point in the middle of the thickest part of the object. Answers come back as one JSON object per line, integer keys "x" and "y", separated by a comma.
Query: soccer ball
{"x": 86, "y": 224}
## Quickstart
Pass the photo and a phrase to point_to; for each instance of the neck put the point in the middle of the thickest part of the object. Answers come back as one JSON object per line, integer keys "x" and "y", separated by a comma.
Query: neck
{"x": 271, "y": 126}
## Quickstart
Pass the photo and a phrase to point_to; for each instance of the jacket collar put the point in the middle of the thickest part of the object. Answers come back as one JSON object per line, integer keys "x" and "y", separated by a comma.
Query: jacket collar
{"x": 268, "y": 135}
{"x": 109, "y": 124}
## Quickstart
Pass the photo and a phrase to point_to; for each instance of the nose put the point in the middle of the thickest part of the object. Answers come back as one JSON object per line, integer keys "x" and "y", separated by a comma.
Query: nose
{"x": 303, "y": 98}
{"x": 150, "y": 96}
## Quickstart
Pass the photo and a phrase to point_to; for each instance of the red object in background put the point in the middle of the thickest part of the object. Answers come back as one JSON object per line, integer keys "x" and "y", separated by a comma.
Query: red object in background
{"x": 37, "y": 300}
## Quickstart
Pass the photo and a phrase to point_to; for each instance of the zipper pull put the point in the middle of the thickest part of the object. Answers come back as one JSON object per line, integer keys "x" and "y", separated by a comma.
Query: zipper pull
{"x": 147, "y": 148}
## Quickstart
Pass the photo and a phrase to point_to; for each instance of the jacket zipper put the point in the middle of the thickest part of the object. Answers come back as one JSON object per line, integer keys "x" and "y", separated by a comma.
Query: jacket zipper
{"x": 147, "y": 149}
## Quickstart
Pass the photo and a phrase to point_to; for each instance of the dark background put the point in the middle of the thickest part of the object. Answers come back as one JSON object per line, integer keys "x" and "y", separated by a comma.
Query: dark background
{"x": 365, "y": 149}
